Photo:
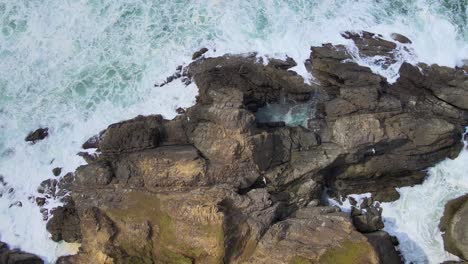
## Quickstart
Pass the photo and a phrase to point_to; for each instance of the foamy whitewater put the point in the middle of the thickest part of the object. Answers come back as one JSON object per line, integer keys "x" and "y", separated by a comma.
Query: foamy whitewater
{"x": 76, "y": 66}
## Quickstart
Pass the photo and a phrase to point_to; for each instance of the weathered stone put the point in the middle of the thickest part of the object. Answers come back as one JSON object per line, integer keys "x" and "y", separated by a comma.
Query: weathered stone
{"x": 454, "y": 227}
{"x": 136, "y": 134}
{"x": 314, "y": 235}
{"x": 383, "y": 245}
{"x": 94, "y": 174}
{"x": 219, "y": 184}
{"x": 15, "y": 256}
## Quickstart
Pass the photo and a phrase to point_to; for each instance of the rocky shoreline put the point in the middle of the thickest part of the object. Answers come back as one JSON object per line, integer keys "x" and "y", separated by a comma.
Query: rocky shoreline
{"x": 219, "y": 184}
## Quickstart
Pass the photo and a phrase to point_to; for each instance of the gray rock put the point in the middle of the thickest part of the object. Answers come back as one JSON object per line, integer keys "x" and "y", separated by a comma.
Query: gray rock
{"x": 37, "y": 135}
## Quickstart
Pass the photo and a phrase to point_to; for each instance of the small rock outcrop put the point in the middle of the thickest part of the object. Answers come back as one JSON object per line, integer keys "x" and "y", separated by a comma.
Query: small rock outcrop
{"x": 37, "y": 135}
{"x": 14, "y": 256}
{"x": 455, "y": 228}
{"x": 368, "y": 217}
{"x": 383, "y": 244}
{"x": 218, "y": 184}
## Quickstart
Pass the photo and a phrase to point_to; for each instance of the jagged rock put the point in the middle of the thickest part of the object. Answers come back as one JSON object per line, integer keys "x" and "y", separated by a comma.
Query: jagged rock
{"x": 199, "y": 53}
{"x": 65, "y": 224}
{"x": 282, "y": 64}
{"x": 48, "y": 187}
{"x": 368, "y": 217}
{"x": 15, "y": 256}
{"x": 400, "y": 38}
{"x": 454, "y": 227}
{"x": 93, "y": 142}
{"x": 95, "y": 174}
{"x": 57, "y": 171}
{"x": 38, "y": 134}
{"x": 390, "y": 132}
{"x": 180, "y": 111}
{"x": 382, "y": 243}
{"x": 218, "y": 185}
{"x": 40, "y": 201}
{"x": 314, "y": 235}
{"x": 135, "y": 134}
{"x": 89, "y": 158}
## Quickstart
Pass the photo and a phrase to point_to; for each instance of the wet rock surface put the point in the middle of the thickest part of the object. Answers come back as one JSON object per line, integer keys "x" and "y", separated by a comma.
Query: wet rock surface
{"x": 368, "y": 217}
{"x": 14, "y": 256}
{"x": 455, "y": 228}
{"x": 216, "y": 185}
{"x": 37, "y": 135}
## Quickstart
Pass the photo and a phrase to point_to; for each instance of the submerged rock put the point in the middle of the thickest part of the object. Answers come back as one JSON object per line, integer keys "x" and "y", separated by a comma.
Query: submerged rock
{"x": 38, "y": 134}
{"x": 455, "y": 228}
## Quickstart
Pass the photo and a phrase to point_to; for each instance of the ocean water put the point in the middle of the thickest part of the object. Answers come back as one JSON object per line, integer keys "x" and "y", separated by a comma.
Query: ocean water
{"x": 76, "y": 66}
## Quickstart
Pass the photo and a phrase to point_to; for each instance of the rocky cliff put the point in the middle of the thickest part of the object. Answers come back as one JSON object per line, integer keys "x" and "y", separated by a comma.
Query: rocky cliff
{"x": 220, "y": 184}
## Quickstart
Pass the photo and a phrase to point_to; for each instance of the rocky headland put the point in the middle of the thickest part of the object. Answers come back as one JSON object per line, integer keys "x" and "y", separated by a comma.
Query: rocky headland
{"x": 221, "y": 184}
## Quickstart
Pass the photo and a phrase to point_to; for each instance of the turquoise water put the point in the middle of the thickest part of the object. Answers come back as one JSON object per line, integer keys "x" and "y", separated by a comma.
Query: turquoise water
{"x": 78, "y": 65}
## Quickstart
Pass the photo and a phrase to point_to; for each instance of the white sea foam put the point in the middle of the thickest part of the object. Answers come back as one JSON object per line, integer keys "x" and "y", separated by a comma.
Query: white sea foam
{"x": 78, "y": 65}
{"x": 414, "y": 218}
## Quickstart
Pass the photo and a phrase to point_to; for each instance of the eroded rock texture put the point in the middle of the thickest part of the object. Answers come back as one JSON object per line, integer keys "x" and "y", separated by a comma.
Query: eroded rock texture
{"x": 14, "y": 256}
{"x": 217, "y": 185}
{"x": 455, "y": 227}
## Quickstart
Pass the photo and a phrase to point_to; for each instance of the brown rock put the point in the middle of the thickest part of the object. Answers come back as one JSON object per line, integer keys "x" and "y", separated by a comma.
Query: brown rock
{"x": 382, "y": 243}
{"x": 15, "y": 256}
{"x": 454, "y": 228}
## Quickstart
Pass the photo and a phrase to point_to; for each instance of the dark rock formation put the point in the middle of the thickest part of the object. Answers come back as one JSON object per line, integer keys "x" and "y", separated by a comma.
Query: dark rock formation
{"x": 216, "y": 185}
{"x": 368, "y": 218}
{"x": 383, "y": 244}
{"x": 57, "y": 171}
{"x": 199, "y": 53}
{"x": 14, "y": 256}
{"x": 455, "y": 228}
{"x": 38, "y": 134}
{"x": 385, "y": 134}
{"x": 65, "y": 224}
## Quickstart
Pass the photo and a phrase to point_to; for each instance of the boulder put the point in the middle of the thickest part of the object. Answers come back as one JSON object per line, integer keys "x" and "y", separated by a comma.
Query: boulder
{"x": 383, "y": 245}
{"x": 199, "y": 53}
{"x": 368, "y": 218}
{"x": 65, "y": 224}
{"x": 454, "y": 227}
{"x": 314, "y": 235}
{"x": 15, "y": 256}
{"x": 37, "y": 135}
